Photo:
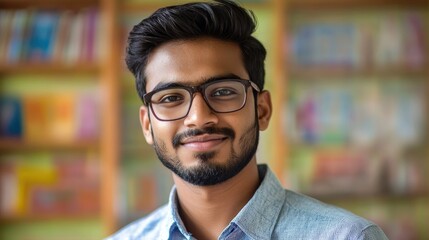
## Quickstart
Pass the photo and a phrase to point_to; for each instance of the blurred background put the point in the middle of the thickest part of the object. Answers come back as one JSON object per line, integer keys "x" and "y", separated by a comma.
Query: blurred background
{"x": 348, "y": 81}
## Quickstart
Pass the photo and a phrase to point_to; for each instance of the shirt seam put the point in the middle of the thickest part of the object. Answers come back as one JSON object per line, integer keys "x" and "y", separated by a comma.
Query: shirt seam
{"x": 366, "y": 228}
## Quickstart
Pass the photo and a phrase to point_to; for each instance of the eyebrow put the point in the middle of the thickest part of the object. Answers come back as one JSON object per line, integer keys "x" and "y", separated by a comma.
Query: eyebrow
{"x": 164, "y": 85}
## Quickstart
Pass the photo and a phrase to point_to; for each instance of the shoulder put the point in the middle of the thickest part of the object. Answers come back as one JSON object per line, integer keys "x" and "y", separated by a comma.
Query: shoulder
{"x": 307, "y": 218}
{"x": 148, "y": 226}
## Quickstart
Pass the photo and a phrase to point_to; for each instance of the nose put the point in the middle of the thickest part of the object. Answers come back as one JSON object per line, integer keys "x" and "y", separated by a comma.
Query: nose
{"x": 200, "y": 115}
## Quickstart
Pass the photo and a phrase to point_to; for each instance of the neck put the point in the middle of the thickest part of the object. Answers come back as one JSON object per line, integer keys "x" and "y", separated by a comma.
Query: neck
{"x": 207, "y": 210}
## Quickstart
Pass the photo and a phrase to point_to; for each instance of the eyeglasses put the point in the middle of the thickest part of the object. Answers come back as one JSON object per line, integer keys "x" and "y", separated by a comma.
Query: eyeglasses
{"x": 173, "y": 102}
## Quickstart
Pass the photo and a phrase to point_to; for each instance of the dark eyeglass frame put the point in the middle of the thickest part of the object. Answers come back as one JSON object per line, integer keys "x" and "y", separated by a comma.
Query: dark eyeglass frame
{"x": 201, "y": 89}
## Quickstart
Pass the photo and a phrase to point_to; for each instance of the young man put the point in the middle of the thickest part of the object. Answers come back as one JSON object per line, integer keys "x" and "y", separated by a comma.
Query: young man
{"x": 200, "y": 74}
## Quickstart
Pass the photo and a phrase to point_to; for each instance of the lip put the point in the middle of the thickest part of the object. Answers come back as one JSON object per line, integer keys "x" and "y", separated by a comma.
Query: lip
{"x": 203, "y": 142}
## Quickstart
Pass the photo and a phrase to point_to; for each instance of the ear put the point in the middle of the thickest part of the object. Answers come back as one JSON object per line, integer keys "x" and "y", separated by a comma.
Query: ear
{"x": 145, "y": 124}
{"x": 264, "y": 109}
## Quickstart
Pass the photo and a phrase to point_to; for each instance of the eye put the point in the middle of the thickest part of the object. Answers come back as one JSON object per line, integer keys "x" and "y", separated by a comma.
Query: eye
{"x": 171, "y": 98}
{"x": 220, "y": 92}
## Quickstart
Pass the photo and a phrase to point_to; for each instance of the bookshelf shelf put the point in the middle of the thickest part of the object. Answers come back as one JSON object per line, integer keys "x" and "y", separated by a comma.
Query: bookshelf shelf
{"x": 50, "y": 68}
{"x": 18, "y": 144}
{"x": 152, "y": 6}
{"x": 47, "y": 4}
{"x": 354, "y": 4}
{"x": 342, "y": 72}
{"x": 48, "y": 217}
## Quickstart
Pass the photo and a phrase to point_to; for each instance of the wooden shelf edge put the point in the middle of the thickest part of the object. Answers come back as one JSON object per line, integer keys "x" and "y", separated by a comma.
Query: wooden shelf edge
{"x": 46, "y": 68}
{"x": 48, "y": 217}
{"x": 355, "y": 4}
{"x": 48, "y": 4}
{"x": 338, "y": 71}
{"x": 152, "y": 6}
{"x": 20, "y": 144}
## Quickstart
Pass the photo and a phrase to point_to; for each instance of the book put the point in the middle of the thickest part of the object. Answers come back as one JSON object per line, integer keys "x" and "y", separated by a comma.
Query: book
{"x": 17, "y": 35}
{"x": 415, "y": 45}
{"x": 90, "y": 18}
{"x": 8, "y": 186}
{"x": 74, "y": 42}
{"x": 325, "y": 45}
{"x": 45, "y": 183}
{"x": 388, "y": 42}
{"x": 36, "y": 117}
{"x": 5, "y": 29}
{"x": 62, "y": 35}
{"x": 42, "y": 36}
{"x": 33, "y": 170}
{"x": 88, "y": 116}
{"x": 10, "y": 117}
{"x": 61, "y": 119}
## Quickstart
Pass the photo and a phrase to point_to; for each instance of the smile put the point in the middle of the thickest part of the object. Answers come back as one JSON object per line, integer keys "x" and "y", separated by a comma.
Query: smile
{"x": 203, "y": 142}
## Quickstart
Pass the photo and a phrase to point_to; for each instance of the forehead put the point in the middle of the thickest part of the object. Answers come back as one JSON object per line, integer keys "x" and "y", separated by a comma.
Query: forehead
{"x": 193, "y": 62}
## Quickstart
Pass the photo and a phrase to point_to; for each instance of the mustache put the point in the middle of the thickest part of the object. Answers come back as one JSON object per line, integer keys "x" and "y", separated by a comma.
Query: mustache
{"x": 196, "y": 132}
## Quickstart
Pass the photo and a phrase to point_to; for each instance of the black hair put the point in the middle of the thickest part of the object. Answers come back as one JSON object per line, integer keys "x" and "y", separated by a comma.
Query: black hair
{"x": 220, "y": 19}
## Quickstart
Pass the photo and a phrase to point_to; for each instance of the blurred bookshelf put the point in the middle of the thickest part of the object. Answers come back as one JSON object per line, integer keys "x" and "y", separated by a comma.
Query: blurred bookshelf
{"x": 348, "y": 81}
{"x": 55, "y": 142}
{"x": 355, "y": 109}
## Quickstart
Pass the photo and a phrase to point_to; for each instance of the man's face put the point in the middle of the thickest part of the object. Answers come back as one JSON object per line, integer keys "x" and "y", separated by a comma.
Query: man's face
{"x": 203, "y": 148}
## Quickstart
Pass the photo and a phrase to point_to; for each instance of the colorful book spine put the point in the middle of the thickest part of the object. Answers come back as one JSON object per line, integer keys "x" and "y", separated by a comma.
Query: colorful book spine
{"x": 87, "y": 53}
{"x": 17, "y": 36}
{"x": 87, "y": 116}
{"x": 47, "y": 184}
{"x": 42, "y": 36}
{"x": 36, "y": 116}
{"x": 388, "y": 40}
{"x": 50, "y": 36}
{"x": 5, "y": 29}
{"x": 62, "y": 118}
{"x": 63, "y": 34}
{"x": 10, "y": 117}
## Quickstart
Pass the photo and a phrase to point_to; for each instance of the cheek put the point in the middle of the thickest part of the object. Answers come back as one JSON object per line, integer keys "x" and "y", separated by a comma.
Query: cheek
{"x": 249, "y": 113}
{"x": 163, "y": 132}
{"x": 241, "y": 122}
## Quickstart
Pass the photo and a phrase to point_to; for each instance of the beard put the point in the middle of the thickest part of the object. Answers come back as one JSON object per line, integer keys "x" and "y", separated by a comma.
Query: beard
{"x": 207, "y": 172}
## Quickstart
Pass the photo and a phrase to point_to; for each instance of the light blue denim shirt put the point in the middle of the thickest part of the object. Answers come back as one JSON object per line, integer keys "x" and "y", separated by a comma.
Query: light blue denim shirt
{"x": 272, "y": 213}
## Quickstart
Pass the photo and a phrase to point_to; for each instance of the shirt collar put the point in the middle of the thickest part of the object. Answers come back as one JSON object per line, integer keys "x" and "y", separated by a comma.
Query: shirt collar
{"x": 256, "y": 219}
{"x": 173, "y": 221}
{"x": 259, "y": 216}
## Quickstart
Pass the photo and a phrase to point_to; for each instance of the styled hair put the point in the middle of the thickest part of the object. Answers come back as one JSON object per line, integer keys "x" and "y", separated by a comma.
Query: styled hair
{"x": 220, "y": 19}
